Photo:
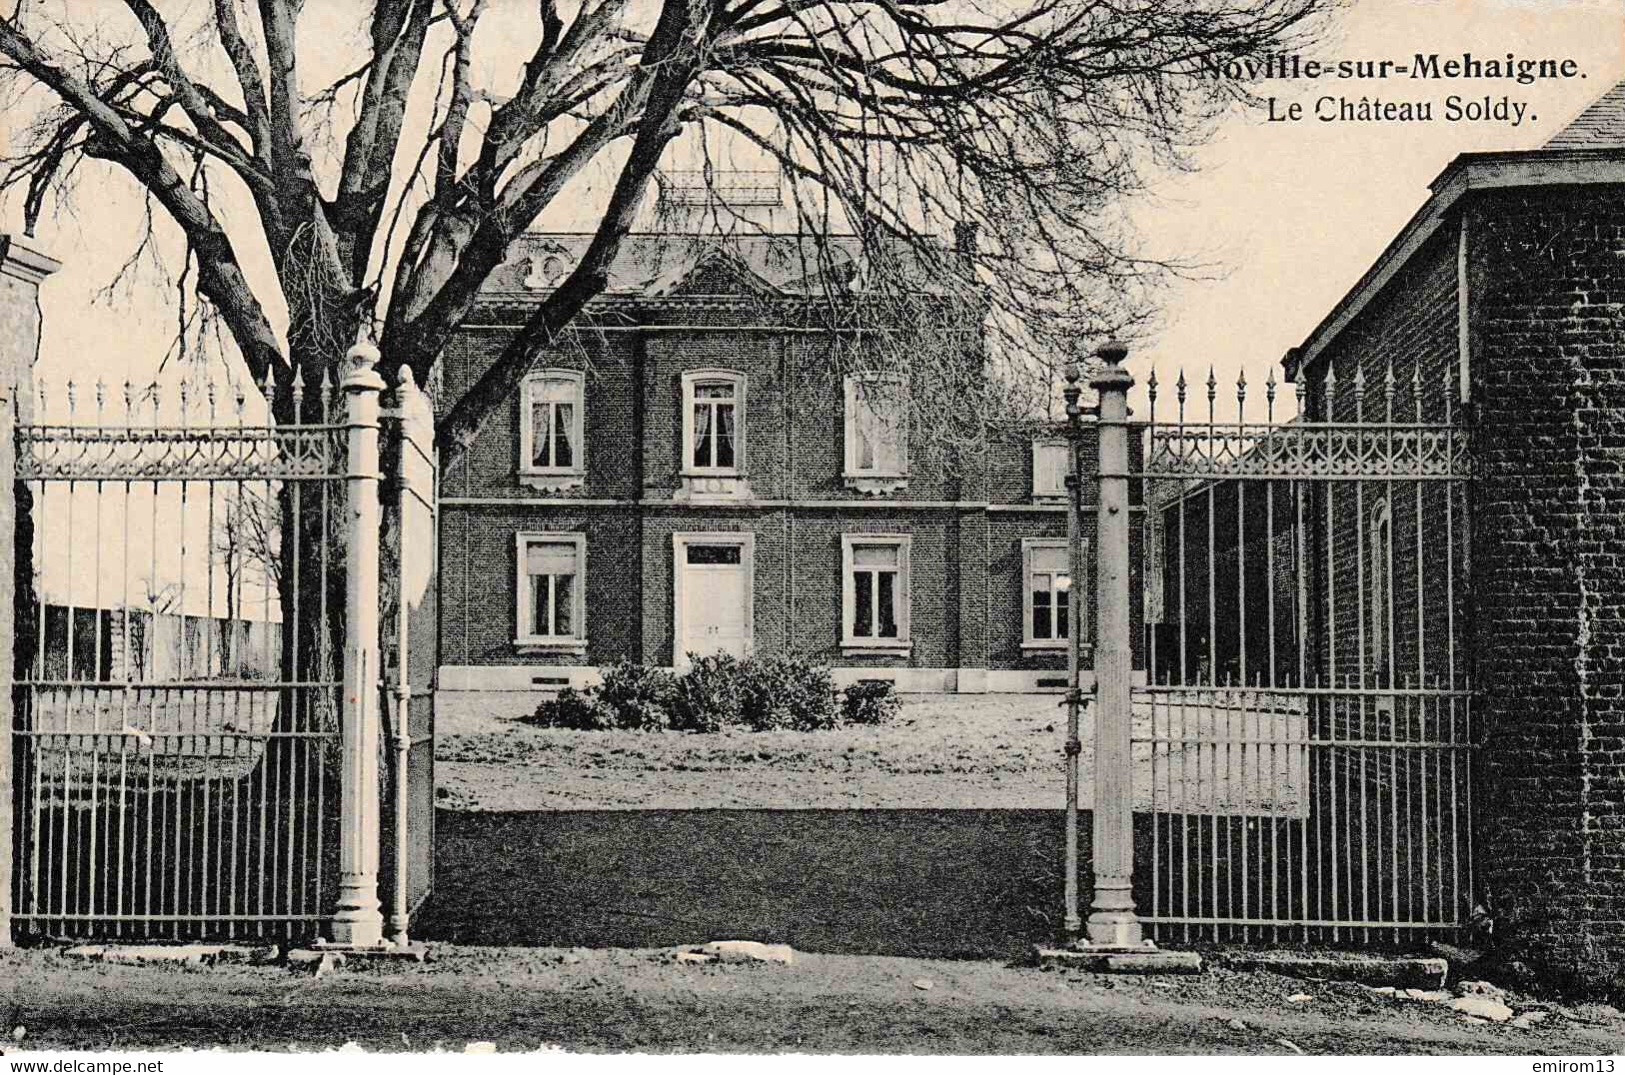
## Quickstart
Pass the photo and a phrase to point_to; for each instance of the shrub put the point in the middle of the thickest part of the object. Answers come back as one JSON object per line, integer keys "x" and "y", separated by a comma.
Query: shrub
{"x": 870, "y": 701}
{"x": 787, "y": 692}
{"x": 710, "y": 695}
{"x": 639, "y": 697}
{"x": 581, "y": 711}
{"x": 717, "y": 692}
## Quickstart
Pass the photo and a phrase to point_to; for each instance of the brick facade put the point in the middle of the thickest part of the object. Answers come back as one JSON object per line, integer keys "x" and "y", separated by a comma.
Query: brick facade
{"x": 1506, "y": 298}
{"x": 1548, "y": 317}
{"x": 965, "y": 517}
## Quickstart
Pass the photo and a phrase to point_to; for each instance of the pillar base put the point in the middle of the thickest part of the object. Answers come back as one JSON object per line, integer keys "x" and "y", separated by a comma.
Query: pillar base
{"x": 1116, "y": 929}
{"x": 358, "y": 922}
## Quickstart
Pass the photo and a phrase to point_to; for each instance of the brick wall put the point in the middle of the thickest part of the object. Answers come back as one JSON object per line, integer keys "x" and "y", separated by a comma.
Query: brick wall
{"x": 1548, "y": 552}
{"x": 1412, "y": 329}
{"x": 966, "y": 586}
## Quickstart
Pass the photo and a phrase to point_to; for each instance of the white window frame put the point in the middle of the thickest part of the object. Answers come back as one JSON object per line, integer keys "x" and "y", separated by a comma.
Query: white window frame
{"x": 553, "y": 476}
{"x": 1046, "y": 494}
{"x": 1075, "y": 614}
{"x": 851, "y": 470}
{"x": 691, "y": 380}
{"x": 522, "y": 607}
{"x": 850, "y": 642}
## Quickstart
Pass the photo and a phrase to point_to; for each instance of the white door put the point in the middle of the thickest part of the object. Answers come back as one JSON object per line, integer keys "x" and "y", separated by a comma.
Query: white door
{"x": 714, "y": 594}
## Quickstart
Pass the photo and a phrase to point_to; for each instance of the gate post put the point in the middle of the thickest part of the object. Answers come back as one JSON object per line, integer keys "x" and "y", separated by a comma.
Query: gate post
{"x": 1112, "y": 921}
{"x": 358, "y": 921}
{"x": 8, "y": 638}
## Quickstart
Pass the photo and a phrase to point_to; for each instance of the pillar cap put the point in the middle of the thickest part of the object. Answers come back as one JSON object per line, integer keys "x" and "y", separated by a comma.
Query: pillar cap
{"x": 24, "y": 262}
{"x": 1112, "y": 352}
{"x": 361, "y": 369}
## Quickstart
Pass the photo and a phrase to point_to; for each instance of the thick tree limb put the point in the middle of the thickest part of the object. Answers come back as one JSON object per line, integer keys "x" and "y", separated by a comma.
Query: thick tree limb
{"x": 249, "y": 79}
{"x": 674, "y": 55}
{"x": 220, "y": 276}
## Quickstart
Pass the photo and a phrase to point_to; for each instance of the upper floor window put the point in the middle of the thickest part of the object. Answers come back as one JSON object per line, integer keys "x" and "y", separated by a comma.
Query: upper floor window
{"x": 1052, "y": 463}
{"x": 876, "y": 426}
{"x": 550, "y": 424}
{"x": 551, "y": 599}
{"x": 875, "y": 591}
{"x": 713, "y": 422}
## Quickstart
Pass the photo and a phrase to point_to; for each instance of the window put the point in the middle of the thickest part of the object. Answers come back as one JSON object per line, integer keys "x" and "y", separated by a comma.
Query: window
{"x": 876, "y": 427}
{"x": 875, "y": 591}
{"x": 550, "y": 425}
{"x": 713, "y": 422}
{"x": 552, "y": 593}
{"x": 1047, "y": 607}
{"x": 1380, "y": 580}
{"x": 1052, "y": 462}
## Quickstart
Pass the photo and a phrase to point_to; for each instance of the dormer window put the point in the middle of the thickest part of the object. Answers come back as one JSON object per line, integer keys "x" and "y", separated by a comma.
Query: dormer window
{"x": 876, "y": 432}
{"x": 551, "y": 446}
{"x": 544, "y": 272}
{"x": 1052, "y": 462}
{"x": 713, "y": 422}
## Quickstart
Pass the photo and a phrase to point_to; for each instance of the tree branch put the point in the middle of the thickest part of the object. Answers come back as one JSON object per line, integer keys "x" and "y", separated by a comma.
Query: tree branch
{"x": 674, "y": 55}
{"x": 220, "y": 277}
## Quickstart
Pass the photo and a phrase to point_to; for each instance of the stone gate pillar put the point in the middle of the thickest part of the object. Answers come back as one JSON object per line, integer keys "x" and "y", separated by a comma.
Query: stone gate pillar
{"x": 22, "y": 269}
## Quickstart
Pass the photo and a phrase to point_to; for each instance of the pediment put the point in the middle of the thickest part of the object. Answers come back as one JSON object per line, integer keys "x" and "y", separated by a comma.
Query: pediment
{"x": 715, "y": 272}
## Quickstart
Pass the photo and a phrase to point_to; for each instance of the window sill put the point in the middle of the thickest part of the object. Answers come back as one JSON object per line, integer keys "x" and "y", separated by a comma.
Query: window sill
{"x": 876, "y": 484}
{"x": 1057, "y": 644}
{"x": 1085, "y": 649}
{"x": 875, "y": 647}
{"x": 550, "y": 645}
{"x": 552, "y": 482}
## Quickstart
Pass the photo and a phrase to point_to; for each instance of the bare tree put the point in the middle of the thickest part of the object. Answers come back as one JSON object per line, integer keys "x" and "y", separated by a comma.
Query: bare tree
{"x": 248, "y": 544}
{"x": 386, "y": 196}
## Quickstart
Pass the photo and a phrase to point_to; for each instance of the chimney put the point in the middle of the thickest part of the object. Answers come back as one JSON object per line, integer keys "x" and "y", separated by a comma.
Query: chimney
{"x": 965, "y": 242}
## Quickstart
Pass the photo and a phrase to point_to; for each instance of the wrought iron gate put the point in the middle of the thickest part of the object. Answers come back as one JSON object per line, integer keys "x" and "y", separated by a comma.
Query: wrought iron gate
{"x": 1304, "y": 740}
{"x": 176, "y": 709}
{"x": 412, "y": 656}
{"x": 186, "y": 759}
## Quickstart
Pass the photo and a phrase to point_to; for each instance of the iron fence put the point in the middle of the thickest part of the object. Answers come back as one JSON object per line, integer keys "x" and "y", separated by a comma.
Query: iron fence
{"x": 1304, "y": 742}
{"x": 175, "y": 776}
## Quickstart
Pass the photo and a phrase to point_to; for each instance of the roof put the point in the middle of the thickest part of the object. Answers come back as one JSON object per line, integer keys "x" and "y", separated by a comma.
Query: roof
{"x": 1590, "y": 149}
{"x": 654, "y": 265}
{"x": 1600, "y": 126}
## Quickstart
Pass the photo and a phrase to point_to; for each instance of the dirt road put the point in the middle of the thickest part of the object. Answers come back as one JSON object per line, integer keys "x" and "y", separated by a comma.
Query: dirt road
{"x": 620, "y": 1000}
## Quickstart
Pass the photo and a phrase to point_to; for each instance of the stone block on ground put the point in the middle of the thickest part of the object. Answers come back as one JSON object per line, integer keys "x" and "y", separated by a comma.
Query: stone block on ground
{"x": 749, "y": 952}
{"x": 1420, "y": 972}
{"x": 1482, "y": 1007}
{"x": 1138, "y": 961}
{"x": 191, "y": 955}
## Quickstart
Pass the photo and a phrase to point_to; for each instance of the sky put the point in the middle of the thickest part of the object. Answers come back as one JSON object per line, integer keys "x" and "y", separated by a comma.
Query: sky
{"x": 1285, "y": 215}
{"x": 1292, "y": 214}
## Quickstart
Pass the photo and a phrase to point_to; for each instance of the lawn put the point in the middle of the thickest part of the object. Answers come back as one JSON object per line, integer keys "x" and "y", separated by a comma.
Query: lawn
{"x": 963, "y": 752}
{"x": 984, "y": 752}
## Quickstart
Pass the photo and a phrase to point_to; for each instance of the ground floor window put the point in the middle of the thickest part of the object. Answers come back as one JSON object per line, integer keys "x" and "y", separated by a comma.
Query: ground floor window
{"x": 551, "y": 594}
{"x": 874, "y": 588}
{"x": 1046, "y": 566}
